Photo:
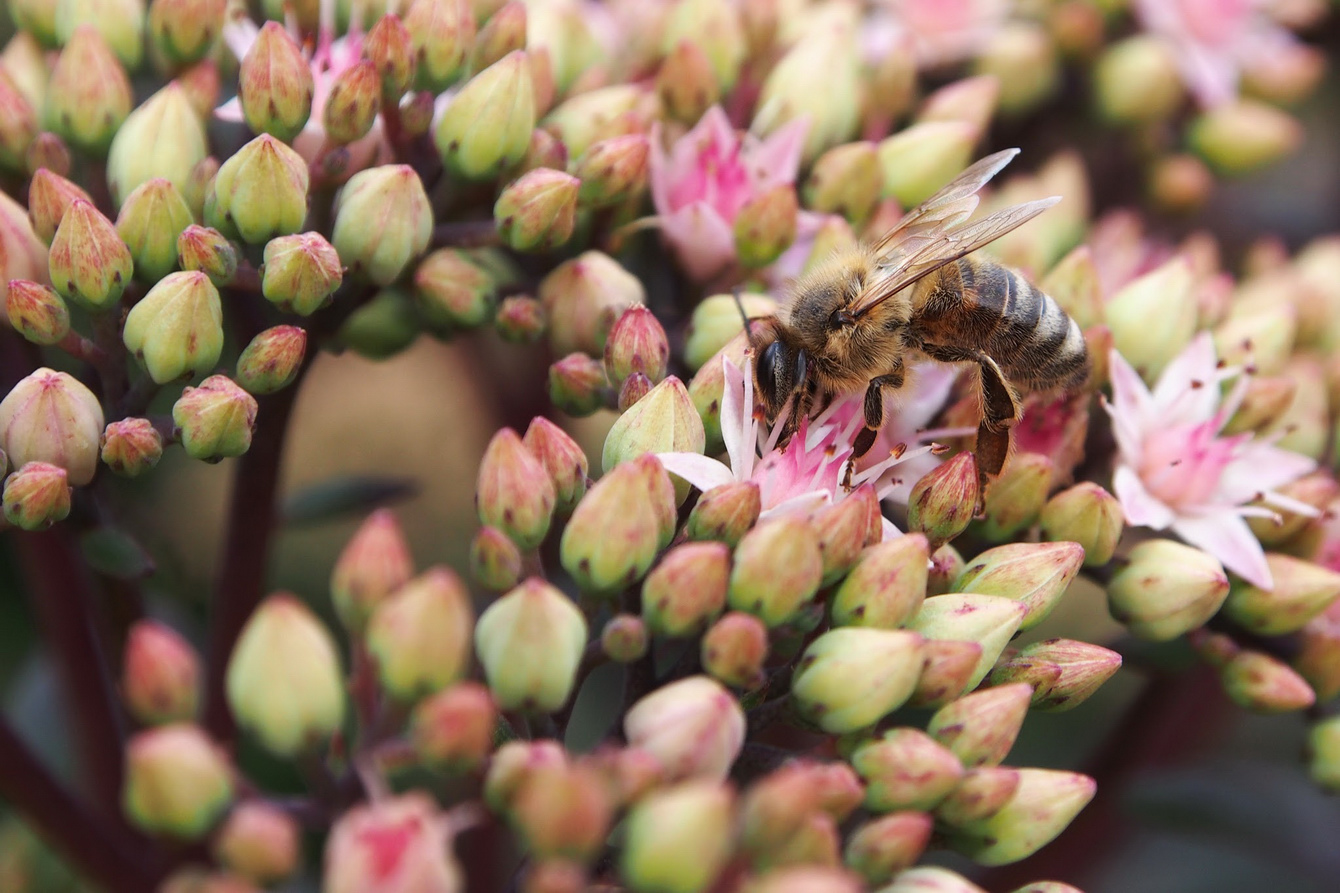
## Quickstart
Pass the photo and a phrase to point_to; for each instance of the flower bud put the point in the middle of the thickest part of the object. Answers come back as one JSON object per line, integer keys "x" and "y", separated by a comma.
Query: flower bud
{"x": 613, "y": 171}
{"x": 826, "y": 54}
{"x": 390, "y": 47}
{"x": 36, "y": 311}
{"x": 1167, "y": 291}
{"x": 1302, "y": 590}
{"x": 678, "y": 839}
{"x": 583, "y": 296}
{"x": 905, "y": 769}
{"x": 164, "y": 137}
{"x": 687, "y": 589}
{"x": 301, "y": 273}
{"x": 530, "y": 642}
{"x": 383, "y": 222}
{"x": 716, "y": 321}
{"x": 734, "y": 648}
{"x": 846, "y": 180}
{"x": 89, "y": 95}
{"x": 946, "y": 565}
{"x": 487, "y": 126}
{"x": 850, "y": 677}
{"x": 636, "y": 343}
{"x": 1036, "y": 574}
{"x": 202, "y": 85}
{"x": 1015, "y": 498}
{"x": 944, "y": 500}
{"x": 931, "y": 879}
{"x": 1136, "y": 81}
{"x": 562, "y": 811}
{"x": 980, "y": 728}
{"x": 777, "y": 570}
{"x": 1263, "y": 684}
{"x": 1086, "y": 514}
{"x": 203, "y": 249}
{"x": 1318, "y": 656}
{"x": 261, "y": 192}
{"x": 151, "y": 219}
{"x": 51, "y": 417}
{"x": 120, "y": 22}
{"x": 686, "y": 84}
{"x": 1323, "y": 745}
{"x": 178, "y": 781}
{"x": 275, "y": 84}
{"x": 1166, "y": 589}
{"x": 537, "y": 212}
{"x": 161, "y": 674}
{"x": 259, "y": 841}
{"x": 950, "y": 666}
{"x": 442, "y": 33}
{"x": 562, "y": 457}
{"x": 37, "y": 495}
{"x": 577, "y": 384}
{"x": 887, "y": 585}
{"x": 503, "y": 33}
{"x": 664, "y": 421}
{"x": 131, "y": 447}
{"x": 514, "y": 491}
{"x": 1073, "y": 283}
{"x": 1045, "y": 803}
{"x": 521, "y": 319}
{"x": 982, "y": 793}
{"x": 917, "y": 161}
{"x": 1022, "y": 56}
{"x": 988, "y": 620}
{"x": 716, "y": 29}
{"x": 882, "y": 847}
{"x": 495, "y": 561}
{"x": 453, "y": 291}
{"x": 614, "y": 533}
{"x": 624, "y": 638}
{"x": 454, "y": 728}
{"x": 1244, "y": 135}
{"x": 353, "y": 104}
{"x": 49, "y": 197}
{"x": 272, "y": 360}
{"x": 766, "y": 226}
{"x": 184, "y": 31}
{"x": 970, "y": 101}
{"x": 633, "y": 389}
{"x": 1063, "y": 672}
{"x": 18, "y": 127}
{"x": 777, "y": 812}
{"x": 513, "y": 763}
{"x": 420, "y": 635}
{"x": 395, "y": 843}
{"x": 283, "y": 681}
{"x": 725, "y": 513}
{"x": 373, "y": 564}
{"x": 843, "y": 528}
{"x": 88, "y": 262}
{"x": 177, "y": 329}
{"x": 693, "y": 726}
{"x": 1266, "y": 400}
{"x": 216, "y": 420}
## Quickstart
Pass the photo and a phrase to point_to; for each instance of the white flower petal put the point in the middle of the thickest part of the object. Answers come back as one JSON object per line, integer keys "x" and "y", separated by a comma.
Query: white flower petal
{"x": 701, "y": 471}
{"x": 806, "y": 502}
{"x": 1131, "y": 401}
{"x": 889, "y": 529}
{"x": 1228, "y": 538}
{"x": 1137, "y": 503}
{"x": 1187, "y": 390}
{"x": 1258, "y": 467}
{"x": 734, "y": 421}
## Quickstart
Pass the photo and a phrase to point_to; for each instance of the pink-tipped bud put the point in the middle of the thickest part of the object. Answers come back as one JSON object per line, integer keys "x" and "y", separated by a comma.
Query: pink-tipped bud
{"x": 454, "y": 290}
{"x": 36, "y": 495}
{"x": 1266, "y": 400}
{"x": 563, "y": 811}
{"x": 1301, "y": 591}
{"x": 679, "y": 838}
{"x": 420, "y": 635}
{"x": 766, "y": 226}
{"x": 261, "y": 192}
{"x": 1014, "y": 499}
{"x": 693, "y": 726}
{"x": 905, "y": 769}
{"x": 950, "y": 666}
{"x": 843, "y": 529}
{"x": 352, "y": 106}
{"x": 36, "y": 311}
{"x": 944, "y": 500}
{"x": 89, "y": 94}
{"x": 544, "y": 150}
{"x": 131, "y": 446}
{"x": 1036, "y": 574}
{"x": 495, "y": 560}
{"x": 1086, "y": 514}
{"x": 302, "y": 272}
{"x": 259, "y": 841}
{"x": 454, "y": 728}
{"x": 391, "y": 50}
{"x": 1062, "y": 672}
{"x": 373, "y": 564}
{"x": 1263, "y": 684}
{"x": 584, "y": 296}
{"x": 845, "y": 180}
{"x": 624, "y": 638}
{"x": 151, "y": 219}
{"x": 537, "y": 211}
{"x": 577, "y": 384}
{"x": 981, "y": 794}
{"x": 161, "y": 674}
{"x": 886, "y": 586}
{"x": 777, "y": 569}
{"x": 1044, "y": 804}
{"x": 562, "y": 457}
{"x": 272, "y": 360}
{"x": 980, "y": 728}
{"x": 636, "y": 343}
{"x": 163, "y": 137}
{"x": 734, "y": 648}
{"x": 486, "y": 128}
{"x": 521, "y": 319}
{"x": 946, "y": 565}
{"x": 178, "y": 781}
{"x": 686, "y": 83}
{"x": 851, "y": 677}
{"x": 1318, "y": 657}
{"x": 503, "y": 33}
{"x": 275, "y": 84}
{"x": 884, "y": 846}
{"x": 216, "y": 420}
{"x": 49, "y": 197}
{"x": 988, "y": 620}
{"x": 613, "y": 171}
{"x": 725, "y": 513}
{"x": 514, "y": 491}
{"x": 614, "y": 533}
{"x": 530, "y": 643}
{"x": 383, "y": 222}
{"x": 398, "y": 843}
{"x": 442, "y": 34}
{"x": 88, "y": 262}
{"x": 1136, "y": 80}
{"x": 18, "y": 127}
{"x": 513, "y": 763}
{"x": 687, "y": 589}
{"x": 46, "y": 150}
{"x": 208, "y": 251}
{"x": 185, "y": 30}
{"x": 51, "y": 417}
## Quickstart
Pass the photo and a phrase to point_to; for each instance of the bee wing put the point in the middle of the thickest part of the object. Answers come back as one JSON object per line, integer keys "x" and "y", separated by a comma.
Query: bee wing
{"x": 922, "y": 251}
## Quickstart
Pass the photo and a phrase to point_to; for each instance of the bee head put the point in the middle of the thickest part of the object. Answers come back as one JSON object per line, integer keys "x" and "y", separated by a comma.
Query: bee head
{"x": 780, "y": 371}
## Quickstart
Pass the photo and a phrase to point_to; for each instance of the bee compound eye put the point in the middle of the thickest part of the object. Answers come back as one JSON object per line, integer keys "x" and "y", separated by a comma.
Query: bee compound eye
{"x": 802, "y": 364}
{"x": 767, "y": 371}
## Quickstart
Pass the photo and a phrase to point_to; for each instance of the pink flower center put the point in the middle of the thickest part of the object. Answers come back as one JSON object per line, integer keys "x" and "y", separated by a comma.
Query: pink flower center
{"x": 1183, "y": 464}
{"x": 927, "y": 17}
{"x": 716, "y": 176}
{"x": 386, "y": 845}
{"x": 1215, "y": 22}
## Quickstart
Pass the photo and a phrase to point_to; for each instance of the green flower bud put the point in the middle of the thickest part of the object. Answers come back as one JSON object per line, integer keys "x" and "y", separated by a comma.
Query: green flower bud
{"x": 391, "y": 48}
{"x": 162, "y": 138}
{"x": 119, "y": 22}
{"x": 887, "y": 585}
{"x": 259, "y": 841}
{"x": 971, "y": 101}
{"x": 1168, "y": 291}
{"x": 624, "y": 638}
{"x": 151, "y": 219}
{"x": 1323, "y": 744}
{"x": 272, "y": 360}
{"x": 453, "y": 729}
{"x": 1086, "y": 514}
{"x": 1022, "y": 56}
{"x": 383, "y": 222}
{"x": 944, "y": 500}
{"x": 778, "y": 814}
{"x": 844, "y": 527}
{"x": 982, "y": 793}
{"x": 845, "y": 180}
{"x": 51, "y": 417}
{"x": 1262, "y": 684}
{"x": 216, "y": 420}
{"x": 950, "y": 666}
{"x": 584, "y": 296}
{"x": 1318, "y": 656}
{"x": 131, "y": 447}
{"x": 946, "y": 566}
{"x": 178, "y": 781}
{"x": 1166, "y": 589}
{"x": 930, "y": 879}
{"x": 678, "y": 839}
{"x": 693, "y": 726}
{"x": 1073, "y": 283}
{"x": 1317, "y": 490}
{"x": 283, "y": 681}
{"x": 89, "y": 95}
{"x": 577, "y": 384}
{"x": 663, "y": 421}
{"x": 734, "y": 648}
{"x": 1014, "y": 500}
{"x": 203, "y": 86}
{"x": 495, "y": 561}
{"x": 512, "y": 765}
{"x": 530, "y": 642}
{"x": 917, "y": 161}
{"x": 725, "y": 513}
{"x": 905, "y": 769}
{"x": 980, "y": 728}
{"x": 543, "y": 150}
{"x": 353, "y": 104}
{"x": 613, "y": 171}
{"x": 716, "y": 29}
{"x": 1262, "y": 337}
{"x": 687, "y": 589}
{"x": 37, "y": 495}
{"x": 686, "y": 84}
{"x": 777, "y": 570}
{"x": 849, "y": 678}
{"x": 275, "y": 84}
{"x": 988, "y": 620}
{"x": 1045, "y": 803}
{"x": 49, "y": 197}
{"x": 36, "y": 312}
{"x": 160, "y": 679}
{"x": 766, "y": 226}
{"x": 420, "y": 635}
{"x": 184, "y": 31}
{"x": 1302, "y": 591}
{"x": 261, "y": 192}
{"x": 636, "y": 343}
{"x": 1036, "y": 574}
{"x": 1137, "y": 81}
{"x": 562, "y": 457}
{"x": 826, "y": 54}
{"x": 88, "y": 262}
{"x": 373, "y": 564}
{"x": 37, "y": 18}
{"x": 537, "y": 211}
{"x": 715, "y": 321}
{"x": 301, "y": 272}
{"x": 521, "y": 319}
{"x": 1244, "y": 135}
{"x": 616, "y": 530}
{"x": 514, "y": 491}
{"x": 882, "y": 847}
{"x": 1081, "y": 667}
{"x": 487, "y": 126}
{"x": 18, "y": 126}
{"x": 442, "y": 33}
{"x": 177, "y": 328}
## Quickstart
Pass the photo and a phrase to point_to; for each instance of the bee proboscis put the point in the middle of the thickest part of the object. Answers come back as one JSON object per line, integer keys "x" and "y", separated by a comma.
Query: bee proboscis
{"x": 858, "y": 319}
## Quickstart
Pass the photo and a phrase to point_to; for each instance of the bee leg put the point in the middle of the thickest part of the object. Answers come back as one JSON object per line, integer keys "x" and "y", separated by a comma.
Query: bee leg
{"x": 874, "y": 409}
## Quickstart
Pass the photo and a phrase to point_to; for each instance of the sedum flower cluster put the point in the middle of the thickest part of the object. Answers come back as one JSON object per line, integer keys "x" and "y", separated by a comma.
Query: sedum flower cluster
{"x": 687, "y": 653}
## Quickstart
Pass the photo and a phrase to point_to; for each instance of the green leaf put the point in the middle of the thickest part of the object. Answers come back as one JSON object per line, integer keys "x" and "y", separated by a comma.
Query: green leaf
{"x": 345, "y": 495}
{"x": 115, "y": 553}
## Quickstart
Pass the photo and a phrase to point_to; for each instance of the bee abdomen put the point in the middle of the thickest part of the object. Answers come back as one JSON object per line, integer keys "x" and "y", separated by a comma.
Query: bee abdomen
{"x": 1039, "y": 346}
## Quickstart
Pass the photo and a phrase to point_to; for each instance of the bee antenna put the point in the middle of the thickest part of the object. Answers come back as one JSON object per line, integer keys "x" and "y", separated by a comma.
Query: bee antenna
{"x": 748, "y": 323}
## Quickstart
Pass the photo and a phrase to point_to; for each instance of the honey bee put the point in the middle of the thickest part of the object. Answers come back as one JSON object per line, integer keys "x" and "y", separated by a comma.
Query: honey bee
{"x": 859, "y": 319}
